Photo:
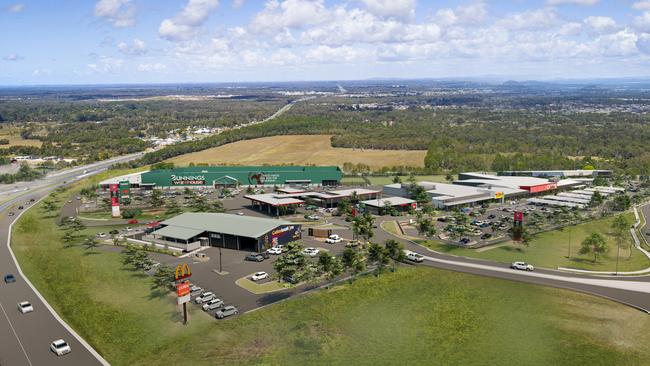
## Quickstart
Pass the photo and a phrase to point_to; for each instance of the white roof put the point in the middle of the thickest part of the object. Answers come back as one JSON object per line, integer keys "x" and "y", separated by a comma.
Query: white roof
{"x": 505, "y": 181}
{"x": 394, "y": 201}
{"x": 554, "y": 203}
{"x": 348, "y": 192}
{"x": 274, "y": 199}
{"x": 568, "y": 199}
{"x": 568, "y": 182}
{"x": 133, "y": 178}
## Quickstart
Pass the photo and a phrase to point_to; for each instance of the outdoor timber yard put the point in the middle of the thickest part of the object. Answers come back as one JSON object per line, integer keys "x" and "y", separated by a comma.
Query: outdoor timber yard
{"x": 325, "y": 182}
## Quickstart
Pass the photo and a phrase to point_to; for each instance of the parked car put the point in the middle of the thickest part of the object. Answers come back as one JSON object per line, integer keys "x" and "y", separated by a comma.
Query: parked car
{"x": 128, "y": 228}
{"x": 259, "y": 276}
{"x": 10, "y": 214}
{"x": 274, "y": 251}
{"x": 265, "y": 255}
{"x": 20, "y": 207}
{"x": 204, "y": 297}
{"x": 240, "y": 213}
{"x": 415, "y": 257}
{"x": 9, "y": 278}
{"x": 492, "y": 217}
{"x": 114, "y": 232}
{"x": 464, "y": 240}
{"x": 254, "y": 257}
{"x": 60, "y": 347}
{"x": 101, "y": 235}
{"x": 313, "y": 217}
{"x": 32, "y": 200}
{"x": 522, "y": 266}
{"x": 311, "y": 252}
{"x": 352, "y": 244}
{"x": 25, "y": 307}
{"x": 213, "y": 304}
{"x": 195, "y": 291}
{"x": 226, "y": 311}
{"x": 333, "y": 239}
{"x": 132, "y": 221}
{"x": 486, "y": 236}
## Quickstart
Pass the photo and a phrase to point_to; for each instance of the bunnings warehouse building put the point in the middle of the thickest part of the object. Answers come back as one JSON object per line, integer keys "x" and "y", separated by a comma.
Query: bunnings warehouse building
{"x": 233, "y": 176}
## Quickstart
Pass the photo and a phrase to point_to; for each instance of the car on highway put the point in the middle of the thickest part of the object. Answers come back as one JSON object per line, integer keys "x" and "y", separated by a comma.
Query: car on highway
{"x": 254, "y": 257}
{"x": 10, "y": 214}
{"x": 212, "y": 304}
{"x": 226, "y": 311}
{"x": 259, "y": 276}
{"x": 333, "y": 239}
{"x": 60, "y": 347}
{"x": 204, "y": 297}
{"x": 274, "y": 251}
{"x": 311, "y": 252}
{"x": 20, "y": 207}
{"x": 414, "y": 257}
{"x": 522, "y": 266}
{"x": 10, "y": 278}
{"x": 25, "y": 307}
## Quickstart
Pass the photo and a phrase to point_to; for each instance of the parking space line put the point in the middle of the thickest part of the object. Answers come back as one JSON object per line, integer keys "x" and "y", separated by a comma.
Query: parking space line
{"x": 15, "y": 334}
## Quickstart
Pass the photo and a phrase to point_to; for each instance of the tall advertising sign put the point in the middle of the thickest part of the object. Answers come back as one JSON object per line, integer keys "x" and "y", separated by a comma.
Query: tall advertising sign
{"x": 183, "y": 287}
{"x": 114, "y": 190}
{"x": 518, "y": 226}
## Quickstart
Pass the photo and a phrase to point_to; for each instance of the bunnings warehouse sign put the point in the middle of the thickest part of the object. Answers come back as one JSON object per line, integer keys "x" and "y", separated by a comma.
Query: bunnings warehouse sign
{"x": 187, "y": 180}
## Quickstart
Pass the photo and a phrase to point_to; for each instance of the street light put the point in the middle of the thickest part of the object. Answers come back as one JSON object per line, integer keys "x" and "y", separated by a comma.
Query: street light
{"x": 570, "y": 230}
{"x": 220, "y": 269}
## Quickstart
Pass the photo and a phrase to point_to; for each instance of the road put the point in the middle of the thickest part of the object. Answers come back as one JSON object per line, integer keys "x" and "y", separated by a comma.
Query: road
{"x": 25, "y": 338}
{"x": 633, "y": 291}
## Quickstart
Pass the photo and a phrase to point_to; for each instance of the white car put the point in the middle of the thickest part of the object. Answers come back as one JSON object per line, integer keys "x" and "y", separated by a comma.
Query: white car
{"x": 212, "y": 304}
{"x": 259, "y": 276}
{"x": 25, "y": 307}
{"x": 274, "y": 250}
{"x": 60, "y": 347}
{"x": 204, "y": 297}
{"x": 312, "y": 252}
{"x": 415, "y": 257}
{"x": 333, "y": 239}
{"x": 240, "y": 213}
{"x": 313, "y": 217}
{"x": 522, "y": 266}
{"x": 101, "y": 235}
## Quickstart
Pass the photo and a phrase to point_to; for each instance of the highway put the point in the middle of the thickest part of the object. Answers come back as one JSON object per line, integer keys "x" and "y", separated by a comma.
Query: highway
{"x": 630, "y": 290}
{"x": 25, "y": 338}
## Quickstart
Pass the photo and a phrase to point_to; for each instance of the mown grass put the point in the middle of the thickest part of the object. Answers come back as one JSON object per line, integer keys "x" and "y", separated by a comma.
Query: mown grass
{"x": 551, "y": 249}
{"x": 414, "y": 316}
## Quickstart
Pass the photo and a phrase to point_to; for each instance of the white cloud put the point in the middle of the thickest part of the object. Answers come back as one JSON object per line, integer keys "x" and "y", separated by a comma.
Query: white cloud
{"x": 105, "y": 65}
{"x": 119, "y": 13}
{"x": 642, "y": 22}
{"x": 290, "y": 14}
{"x": 403, "y": 9}
{"x": 641, "y": 5}
{"x": 573, "y": 2}
{"x": 40, "y": 72}
{"x": 183, "y": 26}
{"x": 15, "y": 8}
{"x": 464, "y": 14}
{"x": 643, "y": 43}
{"x": 534, "y": 19}
{"x": 601, "y": 24}
{"x": 570, "y": 29}
{"x": 12, "y": 57}
{"x": 136, "y": 48}
{"x": 154, "y": 67}
{"x": 237, "y": 3}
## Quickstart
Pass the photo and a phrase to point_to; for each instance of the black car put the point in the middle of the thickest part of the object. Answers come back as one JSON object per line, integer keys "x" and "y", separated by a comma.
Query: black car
{"x": 491, "y": 217}
{"x": 9, "y": 278}
{"x": 486, "y": 236}
{"x": 464, "y": 240}
{"x": 31, "y": 200}
{"x": 20, "y": 207}
{"x": 254, "y": 257}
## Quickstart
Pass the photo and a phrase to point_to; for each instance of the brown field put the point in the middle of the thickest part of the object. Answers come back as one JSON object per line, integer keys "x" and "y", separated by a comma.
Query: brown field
{"x": 12, "y": 134}
{"x": 299, "y": 149}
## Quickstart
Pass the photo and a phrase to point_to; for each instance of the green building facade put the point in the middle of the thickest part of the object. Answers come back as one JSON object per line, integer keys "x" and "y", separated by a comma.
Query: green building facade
{"x": 229, "y": 176}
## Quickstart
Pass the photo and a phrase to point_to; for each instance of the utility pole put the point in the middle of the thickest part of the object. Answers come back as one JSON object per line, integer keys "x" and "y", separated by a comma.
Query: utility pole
{"x": 570, "y": 230}
{"x": 220, "y": 268}
{"x": 618, "y": 254}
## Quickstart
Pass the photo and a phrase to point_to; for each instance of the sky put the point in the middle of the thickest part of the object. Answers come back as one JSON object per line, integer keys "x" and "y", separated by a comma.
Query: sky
{"x": 195, "y": 41}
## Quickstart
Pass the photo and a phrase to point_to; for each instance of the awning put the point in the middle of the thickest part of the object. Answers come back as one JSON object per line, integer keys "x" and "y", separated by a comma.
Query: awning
{"x": 177, "y": 232}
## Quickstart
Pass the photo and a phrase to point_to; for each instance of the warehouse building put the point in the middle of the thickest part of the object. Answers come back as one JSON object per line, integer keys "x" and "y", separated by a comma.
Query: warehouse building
{"x": 272, "y": 203}
{"x": 188, "y": 231}
{"x": 525, "y": 184}
{"x": 381, "y": 206}
{"x": 445, "y": 196}
{"x": 233, "y": 176}
{"x": 576, "y": 173}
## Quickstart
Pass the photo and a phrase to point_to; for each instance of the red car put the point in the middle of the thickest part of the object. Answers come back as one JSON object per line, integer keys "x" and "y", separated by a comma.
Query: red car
{"x": 133, "y": 222}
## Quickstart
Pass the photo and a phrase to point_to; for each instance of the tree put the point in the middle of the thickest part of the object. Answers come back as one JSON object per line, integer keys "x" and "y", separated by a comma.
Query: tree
{"x": 200, "y": 204}
{"x": 343, "y": 207}
{"x": 352, "y": 261}
{"x": 91, "y": 243}
{"x": 291, "y": 265}
{"x": 363, "y": 226}
{"x": 128, "y": 254}
{"x": 596, "y": 199}
{"x": 68, "y": 239}
{"x": 425, "y": 225}
{"x": 620, "y": 228}
{"x": 378, "y": 255}
{"x": 594, "y": 244}
{"x": 329, "y": 265}
{"x": 157, "y": 200}
{"x": 141, "y": 260}
{"x": 397, "y": 179}
{"x": 621, "y": 202}
{"x": 217, "y": 206}
{"x": 394, "y": 250}
{"x": 173, "y": 208}
{"x": 163, "y": 278}
{"x": 49, "y": 206}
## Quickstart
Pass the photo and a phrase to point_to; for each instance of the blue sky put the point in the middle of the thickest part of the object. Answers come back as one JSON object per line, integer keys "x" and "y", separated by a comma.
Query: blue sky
{"x": 165, "y": 41}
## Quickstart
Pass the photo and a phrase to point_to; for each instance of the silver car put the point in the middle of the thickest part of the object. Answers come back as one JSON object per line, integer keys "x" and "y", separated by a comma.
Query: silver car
{"x": 213, "y": 304}
{"x": 204, "y": 297}
{"x": 226, "y": 311}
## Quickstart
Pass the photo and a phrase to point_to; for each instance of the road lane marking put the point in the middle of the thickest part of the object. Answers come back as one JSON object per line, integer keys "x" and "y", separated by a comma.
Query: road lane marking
{"x": 15, "y": 334}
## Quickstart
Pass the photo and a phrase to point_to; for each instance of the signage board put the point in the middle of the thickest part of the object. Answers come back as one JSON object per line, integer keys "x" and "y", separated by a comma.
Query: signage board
{"x": 187, "y": 180}
{"x": 184, "y": 299}
{"x": 519, "y": 216}
{"x": 182, "y": 289}
{"x": 182, "y": 272}
{"x": 498, "y": 195}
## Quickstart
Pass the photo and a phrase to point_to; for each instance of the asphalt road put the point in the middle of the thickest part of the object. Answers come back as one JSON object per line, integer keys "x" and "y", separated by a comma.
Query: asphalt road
{"x": 25, "y": 338}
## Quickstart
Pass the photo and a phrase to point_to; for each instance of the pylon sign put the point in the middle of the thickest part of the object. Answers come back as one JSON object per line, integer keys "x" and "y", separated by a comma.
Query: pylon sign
{"x": 182, "y": 272}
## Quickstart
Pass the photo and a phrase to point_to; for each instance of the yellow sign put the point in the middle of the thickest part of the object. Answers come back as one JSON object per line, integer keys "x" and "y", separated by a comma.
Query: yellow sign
{"x": 498, "y": 195}
{"x": 182, "y": 271}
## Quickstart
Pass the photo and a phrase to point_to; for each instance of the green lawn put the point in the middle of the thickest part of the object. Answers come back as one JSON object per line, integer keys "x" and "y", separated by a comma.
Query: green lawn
{"x": 550, "y": 249}
{"x": 415, "y": 316}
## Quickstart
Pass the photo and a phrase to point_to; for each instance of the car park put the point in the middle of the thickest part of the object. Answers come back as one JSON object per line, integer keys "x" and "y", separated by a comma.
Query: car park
{"x": 25, "y": 307}
{"x": 212, "y": 304}
{"x": 257, "y": 276}
{"x": 311, "y": 252}
{"x": 254, "y": 257}
{"x": 414, "y": 257}
{"x": 522, "y": 266}
{"x": 274, "y": 251}
{"x": 226, "y": 311}
{"x": 60, "y": 347}
{"x": 204, "y": 297}
{"x": 10, "y": 278}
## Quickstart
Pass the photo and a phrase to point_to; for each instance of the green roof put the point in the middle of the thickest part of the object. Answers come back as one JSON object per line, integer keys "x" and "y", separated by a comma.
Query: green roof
{"x": 198, "y": 222}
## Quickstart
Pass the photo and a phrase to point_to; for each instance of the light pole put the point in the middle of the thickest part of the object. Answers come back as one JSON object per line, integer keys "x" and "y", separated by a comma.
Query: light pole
{"x": 618, "y": 254}
{"x": 220, "y": 269}
{"x": 570, "y": 230}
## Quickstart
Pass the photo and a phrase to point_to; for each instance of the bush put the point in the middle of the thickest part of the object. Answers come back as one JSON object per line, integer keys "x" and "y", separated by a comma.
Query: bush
{"x": 130, "y": 213}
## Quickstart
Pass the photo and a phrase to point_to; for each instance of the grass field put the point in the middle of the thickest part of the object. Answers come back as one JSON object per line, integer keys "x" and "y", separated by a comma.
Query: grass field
{"x": 299, "y": 150}
{"x": 12, "y": 134}
{"x": 415, "y": 316}
{"x": 550, "y": 250}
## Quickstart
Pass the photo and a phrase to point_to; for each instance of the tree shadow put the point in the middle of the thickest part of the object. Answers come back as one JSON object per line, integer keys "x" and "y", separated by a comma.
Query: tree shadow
{"x": 91, "y": 252}
{"x": 274, "y": 297}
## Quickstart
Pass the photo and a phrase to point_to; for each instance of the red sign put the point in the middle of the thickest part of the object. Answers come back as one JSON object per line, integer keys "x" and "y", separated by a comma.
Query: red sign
{"x": 519, "y": 216}
{"x": 414, "y": 205}
{"x": 183, "y": 288}
{"x": 114, "y": 189}
{"x": 541, "y": 187}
